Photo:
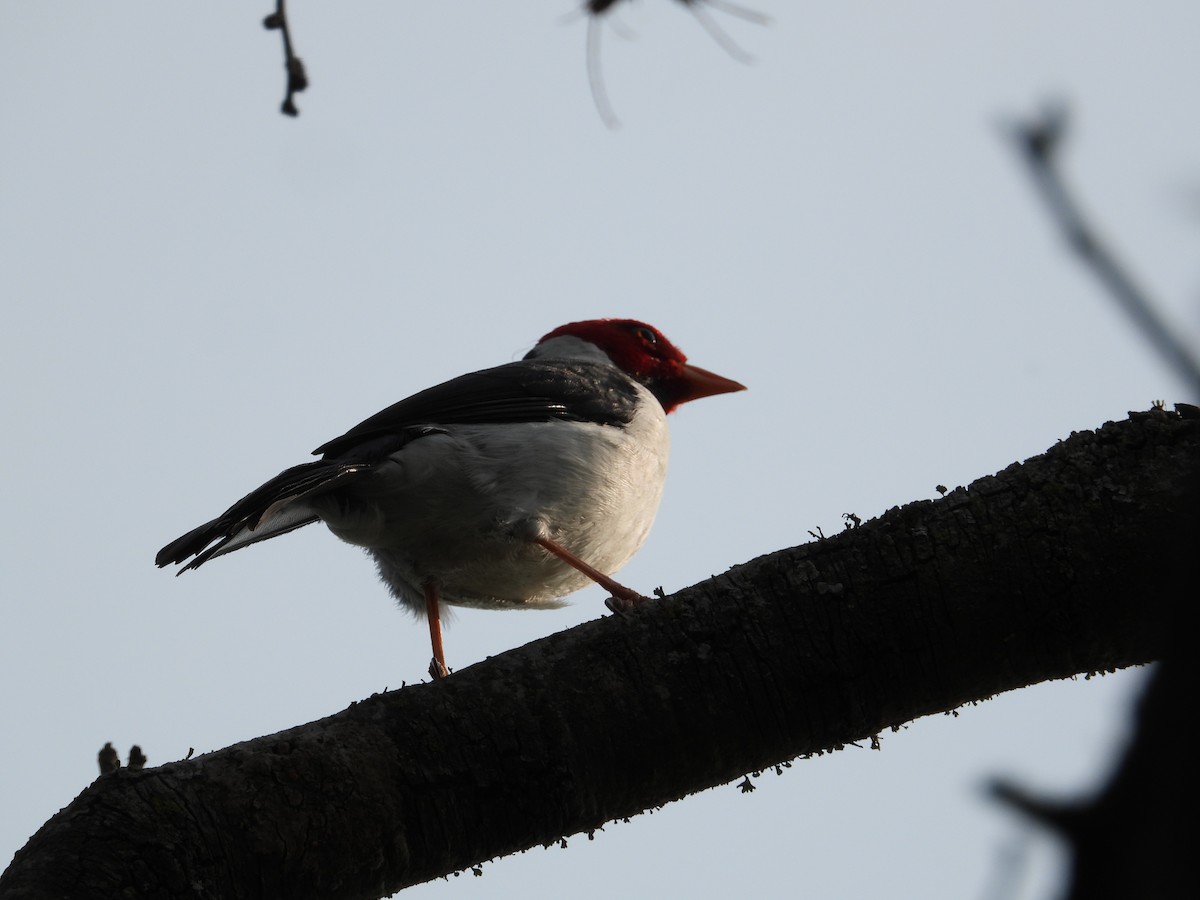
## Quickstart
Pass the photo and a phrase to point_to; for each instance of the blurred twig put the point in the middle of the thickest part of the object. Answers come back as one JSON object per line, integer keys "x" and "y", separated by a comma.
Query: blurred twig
{"x": 1039, "y": 141}
{"x": 595, "y": 10}
{"x": 297, "y": 79}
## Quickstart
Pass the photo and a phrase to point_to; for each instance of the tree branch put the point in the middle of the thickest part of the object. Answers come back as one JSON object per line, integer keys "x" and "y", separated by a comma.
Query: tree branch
{"x": 1040, "y": 142}
{"x": 1125, "y": 841}
{"x": 297, "y": 78}
{"x": 1048, "y": 569}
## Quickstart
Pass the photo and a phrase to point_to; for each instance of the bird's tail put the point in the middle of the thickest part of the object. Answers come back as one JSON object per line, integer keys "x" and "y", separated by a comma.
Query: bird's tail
{"x": 277, "y": 507}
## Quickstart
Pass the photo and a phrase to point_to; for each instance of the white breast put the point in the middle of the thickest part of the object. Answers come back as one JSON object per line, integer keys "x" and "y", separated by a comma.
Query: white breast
{"x": 452, "y": 507}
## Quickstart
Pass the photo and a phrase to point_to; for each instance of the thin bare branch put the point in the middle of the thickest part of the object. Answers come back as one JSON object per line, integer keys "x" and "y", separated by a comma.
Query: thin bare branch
{"x": 1039, "y": 142}
{"x": 596, "y": 10}
{"x": 297, "y": 78}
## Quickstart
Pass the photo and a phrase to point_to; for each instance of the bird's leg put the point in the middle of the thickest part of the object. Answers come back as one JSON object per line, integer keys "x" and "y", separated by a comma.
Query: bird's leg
{"x": 437, "y": 666}
{"x": 622, "y": 598}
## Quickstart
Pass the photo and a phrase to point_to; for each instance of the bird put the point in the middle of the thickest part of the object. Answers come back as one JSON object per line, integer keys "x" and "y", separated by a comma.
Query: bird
{"x": 506, "y": 488}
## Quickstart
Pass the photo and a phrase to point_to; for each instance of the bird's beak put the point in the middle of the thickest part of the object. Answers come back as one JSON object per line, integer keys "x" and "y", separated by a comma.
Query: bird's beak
{"x": 698, "y": 382}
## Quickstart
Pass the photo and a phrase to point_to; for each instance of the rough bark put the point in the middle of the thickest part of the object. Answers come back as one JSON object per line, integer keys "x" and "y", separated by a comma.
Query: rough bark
{"x": 1048, "y": 569}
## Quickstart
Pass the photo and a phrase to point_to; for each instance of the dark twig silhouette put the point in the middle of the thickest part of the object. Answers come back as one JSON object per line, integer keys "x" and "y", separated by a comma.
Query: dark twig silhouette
{"x": 1039, "y": 141}
{"x": 297, "y": 79}
{"x": 595, "y": 10}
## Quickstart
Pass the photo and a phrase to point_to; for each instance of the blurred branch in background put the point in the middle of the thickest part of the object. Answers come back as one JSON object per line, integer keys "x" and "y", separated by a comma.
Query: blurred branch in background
{"x": 1126, "y": 841}
{"x": 1039, "y": 141}
{"x": 1123, "y": 840}
{"x": 596, "y": 10}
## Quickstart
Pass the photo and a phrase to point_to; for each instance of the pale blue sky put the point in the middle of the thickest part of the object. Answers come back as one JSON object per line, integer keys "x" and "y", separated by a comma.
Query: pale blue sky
{"x": 198, "y": 291}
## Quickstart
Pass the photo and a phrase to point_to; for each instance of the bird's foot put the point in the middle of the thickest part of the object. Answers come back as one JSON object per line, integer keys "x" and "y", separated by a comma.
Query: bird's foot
{"x": 437, "y": 669}
{"x": 624, "y": 600}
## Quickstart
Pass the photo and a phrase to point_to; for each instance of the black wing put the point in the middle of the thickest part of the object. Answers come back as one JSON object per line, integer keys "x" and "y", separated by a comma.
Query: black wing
{"x": 534, "y": 390}
{"x": 526, "y": 391}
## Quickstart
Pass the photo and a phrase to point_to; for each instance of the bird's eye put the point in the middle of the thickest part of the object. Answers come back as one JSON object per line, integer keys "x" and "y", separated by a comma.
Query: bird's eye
{"x": 645, "y": 335}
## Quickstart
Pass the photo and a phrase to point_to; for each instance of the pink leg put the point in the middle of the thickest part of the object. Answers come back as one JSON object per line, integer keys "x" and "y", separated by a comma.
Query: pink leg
{"x": 437, "y": 666}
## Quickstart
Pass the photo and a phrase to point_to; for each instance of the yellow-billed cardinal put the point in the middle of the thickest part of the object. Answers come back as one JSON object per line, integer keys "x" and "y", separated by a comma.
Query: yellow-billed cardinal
{"x": 502, "y": 489}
